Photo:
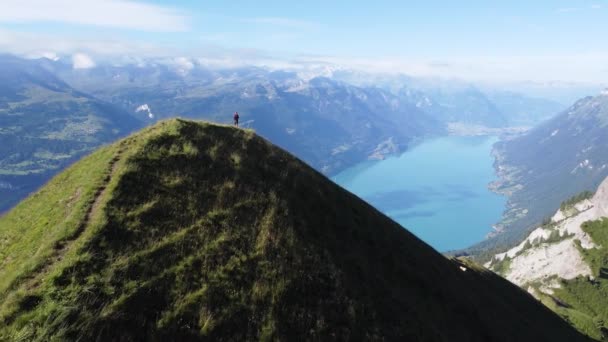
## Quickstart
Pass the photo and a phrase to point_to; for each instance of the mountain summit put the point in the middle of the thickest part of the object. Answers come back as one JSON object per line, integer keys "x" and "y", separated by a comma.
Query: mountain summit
{"x": 192, "y": 231}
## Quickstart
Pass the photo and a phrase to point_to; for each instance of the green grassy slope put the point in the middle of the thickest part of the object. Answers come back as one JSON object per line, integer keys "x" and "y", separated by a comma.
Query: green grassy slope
{"x": 191, "y": 231}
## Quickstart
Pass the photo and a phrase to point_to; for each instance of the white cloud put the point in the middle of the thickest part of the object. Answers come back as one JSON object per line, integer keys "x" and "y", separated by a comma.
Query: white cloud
{"x": 82, "y": 61}
{"x": 145, "y": 108}
{"x": 42, "y": 54}
{"x": 106, "y": 13}
{"x": 183, "y": 65}
{"x": 36, "y": 44}
{"x": 283, "y": 22}
{"x": 578, "y": 67}
{"x": 50, "y": 55}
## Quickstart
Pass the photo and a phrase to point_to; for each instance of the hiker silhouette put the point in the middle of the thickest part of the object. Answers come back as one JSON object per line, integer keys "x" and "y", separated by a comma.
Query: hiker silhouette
{"x": 236, "y": 119}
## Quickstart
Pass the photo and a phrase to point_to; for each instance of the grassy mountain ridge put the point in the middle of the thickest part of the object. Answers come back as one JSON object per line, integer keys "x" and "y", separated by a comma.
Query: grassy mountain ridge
{"x": 192, "y": 231}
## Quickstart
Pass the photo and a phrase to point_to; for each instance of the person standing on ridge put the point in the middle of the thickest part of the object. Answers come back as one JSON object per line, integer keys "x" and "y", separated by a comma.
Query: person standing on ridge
{"x": 236, "y": 119}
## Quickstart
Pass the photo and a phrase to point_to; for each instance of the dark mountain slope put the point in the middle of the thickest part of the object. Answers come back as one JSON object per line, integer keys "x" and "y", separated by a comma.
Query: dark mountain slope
{"x": 45, "y": 125}
{"x": 191, "y": 231}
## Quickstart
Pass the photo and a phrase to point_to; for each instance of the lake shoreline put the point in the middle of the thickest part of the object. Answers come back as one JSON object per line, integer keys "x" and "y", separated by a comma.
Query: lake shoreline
{"x": 438, "y": 189}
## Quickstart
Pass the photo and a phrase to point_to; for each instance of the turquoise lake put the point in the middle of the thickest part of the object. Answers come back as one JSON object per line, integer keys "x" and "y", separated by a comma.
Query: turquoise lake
{"x": 438, "y": 190}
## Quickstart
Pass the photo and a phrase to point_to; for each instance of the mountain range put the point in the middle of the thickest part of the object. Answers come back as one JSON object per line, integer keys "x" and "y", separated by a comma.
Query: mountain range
{"x": 331, "y": 119}
{"x": 207, "y": 230}
{"x": 328, "y": 123}
{"x": 45, "y": 125}
{"x": 459, "y": 102}
{"x": 189, "y": 231}
{"x": 556, "y": 160}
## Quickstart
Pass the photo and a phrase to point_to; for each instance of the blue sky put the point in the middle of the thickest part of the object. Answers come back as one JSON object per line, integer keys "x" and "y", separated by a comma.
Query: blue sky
{"x": 540, "y": 40}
